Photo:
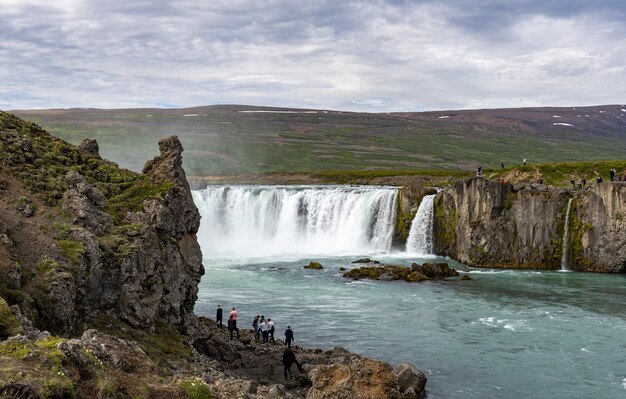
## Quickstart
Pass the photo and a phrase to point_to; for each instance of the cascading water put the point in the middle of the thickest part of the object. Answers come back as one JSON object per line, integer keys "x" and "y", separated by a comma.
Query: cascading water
{"x": 421, "y": 233}
{"x": 565, "y": 243}
{"x": 256, "y": 221}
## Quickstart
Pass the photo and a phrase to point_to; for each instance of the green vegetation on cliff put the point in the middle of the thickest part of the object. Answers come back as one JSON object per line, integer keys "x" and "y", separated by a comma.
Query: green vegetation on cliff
{"x": 559, "y": 174}
{"x": 40, "y": 161}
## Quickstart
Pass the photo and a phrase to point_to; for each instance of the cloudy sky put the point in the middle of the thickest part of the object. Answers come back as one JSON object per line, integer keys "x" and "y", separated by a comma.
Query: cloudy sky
{"x": 385, "y": 55}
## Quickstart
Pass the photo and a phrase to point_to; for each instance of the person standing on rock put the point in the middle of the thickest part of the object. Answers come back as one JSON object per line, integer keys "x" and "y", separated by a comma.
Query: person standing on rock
{"x": 255, "y": 326}
{"x": 271, "y": 329}
{"x": 218, "y": 316}
{"x": 233, "y": 314}
{"x": 232, "y": 326}
{"x": 288, "y": 337}
{"x": 289, "y": 358}
{"x": 264, "y": 331}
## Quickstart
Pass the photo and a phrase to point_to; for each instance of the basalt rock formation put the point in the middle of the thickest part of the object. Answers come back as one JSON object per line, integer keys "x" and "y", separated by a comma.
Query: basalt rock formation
{"x": 121, "y": 244}
{"x": 495, "y": 224}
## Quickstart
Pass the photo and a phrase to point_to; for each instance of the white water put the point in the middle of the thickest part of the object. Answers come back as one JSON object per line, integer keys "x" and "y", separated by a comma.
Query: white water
{"x": 420, "y": 241}
{"x": 261, "y": 221}
{"x": 565, "y": 244}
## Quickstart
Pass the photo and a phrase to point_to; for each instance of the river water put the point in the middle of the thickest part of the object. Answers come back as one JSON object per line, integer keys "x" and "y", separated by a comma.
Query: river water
{"x": 503, "y": 334}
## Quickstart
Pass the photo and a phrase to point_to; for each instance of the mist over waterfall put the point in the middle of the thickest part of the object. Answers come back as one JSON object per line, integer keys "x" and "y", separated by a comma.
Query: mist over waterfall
{"x": 420, "y": 239}
{"x": 251, "y": 221}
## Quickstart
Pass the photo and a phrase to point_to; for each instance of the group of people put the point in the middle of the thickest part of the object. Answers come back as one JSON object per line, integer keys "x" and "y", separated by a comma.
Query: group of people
{"x": 232, "y": 320}
{"x": 582, "y": 182}
{"x": 262, "y": 328}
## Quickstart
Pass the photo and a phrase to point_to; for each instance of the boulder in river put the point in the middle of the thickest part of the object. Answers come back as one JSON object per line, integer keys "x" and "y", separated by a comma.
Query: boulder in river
{"x": 314, "y": 265}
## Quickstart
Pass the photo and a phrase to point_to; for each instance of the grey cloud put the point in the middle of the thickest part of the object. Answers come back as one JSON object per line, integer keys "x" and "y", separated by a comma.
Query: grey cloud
{"x": 367, "y": 55}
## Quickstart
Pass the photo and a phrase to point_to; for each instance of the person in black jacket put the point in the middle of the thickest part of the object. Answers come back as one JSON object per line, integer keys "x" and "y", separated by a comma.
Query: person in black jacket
{"x": 289, "y": 358}
{"x": 288, "y": 337}
{"x": 218, "y": 316}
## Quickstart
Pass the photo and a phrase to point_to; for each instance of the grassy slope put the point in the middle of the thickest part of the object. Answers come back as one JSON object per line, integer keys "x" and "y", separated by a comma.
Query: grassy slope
{"x": 222, "y": 140}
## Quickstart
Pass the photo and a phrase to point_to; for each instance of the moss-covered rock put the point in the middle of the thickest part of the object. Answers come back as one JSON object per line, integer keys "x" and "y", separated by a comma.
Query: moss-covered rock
{"x": 9, "y": 325}
{"x": 386, "y": 273}
{"x": 314, "y": 265}
{"x": 435, "y": 270}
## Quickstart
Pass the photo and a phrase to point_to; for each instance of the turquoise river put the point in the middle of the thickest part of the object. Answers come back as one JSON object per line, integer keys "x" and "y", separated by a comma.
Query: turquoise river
{"x": 503, "y": 334}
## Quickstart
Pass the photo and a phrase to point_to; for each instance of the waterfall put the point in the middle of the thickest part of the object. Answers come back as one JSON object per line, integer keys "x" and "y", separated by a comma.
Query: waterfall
{"x": 565, "y": 243}
{"x": 420, "y": 239}
{"x": 250, "y": 221}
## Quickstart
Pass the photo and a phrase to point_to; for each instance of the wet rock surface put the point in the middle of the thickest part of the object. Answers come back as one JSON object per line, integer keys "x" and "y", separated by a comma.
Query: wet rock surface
{"x": 412, "y": 274}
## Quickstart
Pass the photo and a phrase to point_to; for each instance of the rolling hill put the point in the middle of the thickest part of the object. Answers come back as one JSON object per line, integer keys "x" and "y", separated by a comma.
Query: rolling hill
{"x": 236, "y": 139}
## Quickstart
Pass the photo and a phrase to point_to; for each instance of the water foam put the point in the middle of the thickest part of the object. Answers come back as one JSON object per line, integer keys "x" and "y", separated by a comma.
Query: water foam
{"x": 421, "y": 234}
{"x": 267, "y": 221}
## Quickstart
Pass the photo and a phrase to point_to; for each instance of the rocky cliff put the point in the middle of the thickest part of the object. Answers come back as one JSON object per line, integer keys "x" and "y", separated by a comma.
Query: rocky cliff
{"x": 495, "y": 224}
{"x": 598, "y": 233}
{"x": 83, "y": 238}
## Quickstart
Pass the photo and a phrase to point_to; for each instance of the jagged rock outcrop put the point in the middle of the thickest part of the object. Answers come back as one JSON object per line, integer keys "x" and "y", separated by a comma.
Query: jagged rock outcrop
{"x": 157, "y": 263}
{"x": 177, "y": 215}
{"x": 492, "y": 224}
{"x": 90, "y": 146}
{"x": 144, "y": 267}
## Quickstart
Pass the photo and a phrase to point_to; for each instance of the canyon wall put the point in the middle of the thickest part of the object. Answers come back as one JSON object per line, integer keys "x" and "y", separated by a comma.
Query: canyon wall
{"x": 486, "y": 223}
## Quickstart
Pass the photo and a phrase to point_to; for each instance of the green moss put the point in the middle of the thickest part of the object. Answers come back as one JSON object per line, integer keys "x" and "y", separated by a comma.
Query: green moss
{"x": 131, "y": 198}
{"x": 45, "y": 349}
{"x": 72, "y": 250}
{"x": 58, "y": 387}
{"x": 9, "y": 325}
{"x": 446, "y": 222}
{"x": 508, "y": 200}
{"x": 162, "y": 345}
{"x": 196, "y": 389}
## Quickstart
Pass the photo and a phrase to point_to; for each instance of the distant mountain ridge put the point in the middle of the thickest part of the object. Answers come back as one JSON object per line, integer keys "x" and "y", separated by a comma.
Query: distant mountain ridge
{"x": 231, "y": 139}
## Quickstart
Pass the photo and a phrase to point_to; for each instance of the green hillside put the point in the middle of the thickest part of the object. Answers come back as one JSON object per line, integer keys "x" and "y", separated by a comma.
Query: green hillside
{"x": 240, "y": 139}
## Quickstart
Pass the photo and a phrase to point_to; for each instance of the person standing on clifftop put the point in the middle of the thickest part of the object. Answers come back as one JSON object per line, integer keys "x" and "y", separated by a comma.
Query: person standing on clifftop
{"x": 218, "y": 316}
{"x": 288, "y": 337}
{"x": 479, "y": 171}
{"x": 524, "y": 161}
